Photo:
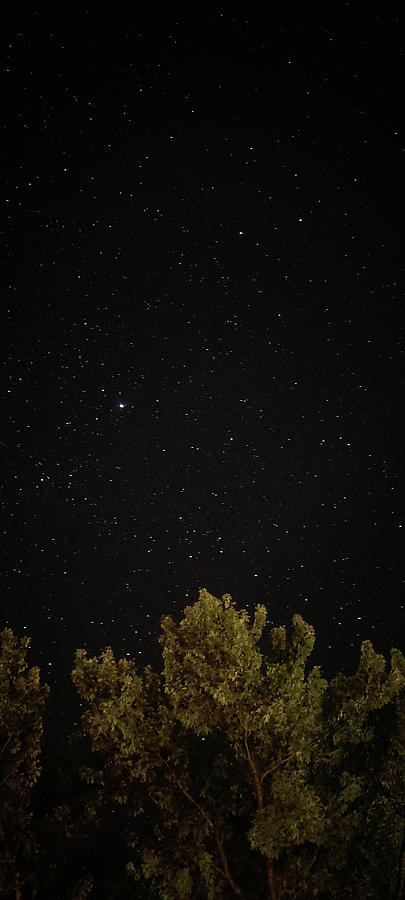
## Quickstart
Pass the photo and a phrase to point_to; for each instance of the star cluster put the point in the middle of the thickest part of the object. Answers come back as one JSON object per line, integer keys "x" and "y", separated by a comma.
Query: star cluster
{"x": 202, "y": 375}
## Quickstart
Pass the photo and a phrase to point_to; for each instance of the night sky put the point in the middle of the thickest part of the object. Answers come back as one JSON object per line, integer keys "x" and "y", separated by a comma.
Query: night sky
{"x": 203, "y": 247}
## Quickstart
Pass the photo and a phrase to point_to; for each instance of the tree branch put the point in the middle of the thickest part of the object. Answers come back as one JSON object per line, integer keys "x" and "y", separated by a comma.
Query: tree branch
{"x": 5, "y": 745}
{"x": 253, "y": 769}
{"x": 3, "y": 781}
{"x": 184, "y": 791}
{"x": 225, "y": 871}
{"x": 259, "y": 795}
{"x": 275, "y": 766}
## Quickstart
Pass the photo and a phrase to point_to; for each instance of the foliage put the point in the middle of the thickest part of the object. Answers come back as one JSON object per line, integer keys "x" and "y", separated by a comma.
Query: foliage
{"x": 354, "y": 770}
{"x": 238, "y": 771}
{"x": 22, "y": 699}
{"x": 244, "y": 772}
{"x": 82, "y": 854}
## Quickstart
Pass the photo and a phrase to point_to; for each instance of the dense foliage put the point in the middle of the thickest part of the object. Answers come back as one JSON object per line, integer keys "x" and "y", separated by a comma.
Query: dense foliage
{"x": 238, "y": 771}
{"x": 22, "y": 699}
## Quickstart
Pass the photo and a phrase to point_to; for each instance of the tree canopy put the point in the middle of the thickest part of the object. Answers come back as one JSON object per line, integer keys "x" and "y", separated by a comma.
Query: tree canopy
{"x": 249, "y": 773}
{"x": 22, "y": 699}
{"x": 237, "y": 770}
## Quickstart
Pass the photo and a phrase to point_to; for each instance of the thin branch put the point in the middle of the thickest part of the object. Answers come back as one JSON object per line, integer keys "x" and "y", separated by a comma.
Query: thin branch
{"x": 5, "y": 778}
{"x": 232, "y": 884}
{"x": 256, "y": 779}
{"x": 5, "y": 745}
{"x": 184, "y": 791}
{"x": 273, "y": 768}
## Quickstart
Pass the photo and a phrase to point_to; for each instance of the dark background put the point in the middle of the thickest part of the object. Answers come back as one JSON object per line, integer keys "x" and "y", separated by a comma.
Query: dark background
{"x": 202, "y": 366}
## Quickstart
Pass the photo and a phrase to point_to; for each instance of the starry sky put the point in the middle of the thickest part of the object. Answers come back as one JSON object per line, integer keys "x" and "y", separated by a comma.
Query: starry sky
{"x": 202, "y": 364}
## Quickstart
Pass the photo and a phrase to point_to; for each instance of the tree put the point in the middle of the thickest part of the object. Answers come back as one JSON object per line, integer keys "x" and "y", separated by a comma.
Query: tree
{"x": 270, "y": 712}
{"x": 144, "y": 766}
{"x": 22, "y": 699}
{"x": 359, "y": 774}
{"x": 243, "y": 771}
